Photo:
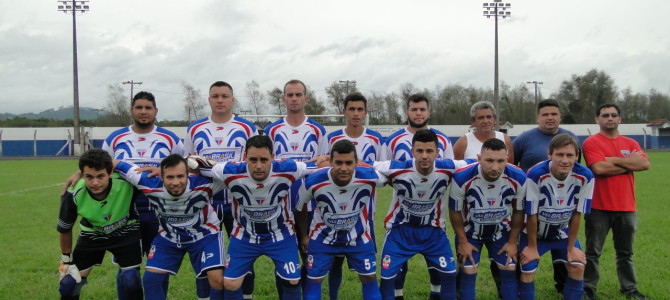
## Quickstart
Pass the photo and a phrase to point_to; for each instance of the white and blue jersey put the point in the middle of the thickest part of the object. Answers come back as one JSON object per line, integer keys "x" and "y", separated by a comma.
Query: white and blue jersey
{"x": 368, "y": 145}
{"x": 300, "y": 143}
{"x": 182, "y": 219}
{"x": 418, "y": 200}
{"x": 219, "y": 142}
{"x": 554, "y": 201}
{"x": 343, "y": 215}
{"x": 487, "y": 206}
{"x": 398, "y": 146}
{"x": 261, "y": 210}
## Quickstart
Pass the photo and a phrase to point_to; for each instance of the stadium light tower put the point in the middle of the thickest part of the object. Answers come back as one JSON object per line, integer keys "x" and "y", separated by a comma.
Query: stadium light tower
{"x": 535, "y": 82}
{"x": 497, "y": 10}
{"x": 72, "y": 6}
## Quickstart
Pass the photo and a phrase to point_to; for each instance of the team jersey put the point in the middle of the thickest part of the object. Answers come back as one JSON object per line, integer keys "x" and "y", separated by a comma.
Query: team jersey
{"x": 418, "y": 200}
{"x": 300, "y": 143}
{"x": 144, "y": 150}
{"x": 554, "y": 201}
{"x": 487, "y": 206}
{"x": 261, "y": 210}
{"x": 343, "y": 215}
{"x": 368, "y": 145}
{"x": 182, "y": 219}
{"x": 219, "y": 141}
{"x": 398, "y": 146}
{"x": 104, "y": 223}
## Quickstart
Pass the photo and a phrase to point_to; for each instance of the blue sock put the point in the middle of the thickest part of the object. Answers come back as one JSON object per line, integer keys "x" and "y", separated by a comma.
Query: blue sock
{"x": 573, "y": 289}
{"x": 387, "y": 288}
{"x": 312, "y": 290}
{"x": 508, "y": 284}
{"x": 371, "y": 291}
{"x": 202, "y": 287}
{"x": 434, "y": 277}
{"x": 119, "y": 286}
{"x": 400, "y": 278}
{"x": 292, "y": 292}
{"x": 448, "y": 285}
{"x": 467, "y": 288}
{"x": 154, "y": 285}
{"x": 226, "y": 294}
{"x": 527, "y": 290}
{"x": 335, "y": 278}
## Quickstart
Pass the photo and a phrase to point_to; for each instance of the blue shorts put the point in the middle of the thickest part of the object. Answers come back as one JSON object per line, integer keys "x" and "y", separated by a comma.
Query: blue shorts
{"x": 559, "y": 249}
{"x": 320, "y": 258}
{"x": 492, "y": 246}
{"x": 205, "y": 254}
{"x": 284, "y": 254}
{"x": 404, "y": 241}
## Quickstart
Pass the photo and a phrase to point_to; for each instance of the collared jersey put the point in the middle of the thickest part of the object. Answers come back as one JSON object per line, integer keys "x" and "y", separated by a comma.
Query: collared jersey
{"x": 261, "y": 210}
{"x": 300, "y": 143}
{"x": 418, "y": 200}
{"x": 343, "y": 215}
{"x": 219, "y": 141}
{"x": 554, "y": 201}
{"x": 368, "y": 145}
{"x": 487, "y": 206}
{"x": 182, "y": 219}
{"x": 398, "y": 146}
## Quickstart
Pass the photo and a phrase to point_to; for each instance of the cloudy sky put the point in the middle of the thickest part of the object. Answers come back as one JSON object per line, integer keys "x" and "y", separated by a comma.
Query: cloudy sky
{"x": 379, "y": 43}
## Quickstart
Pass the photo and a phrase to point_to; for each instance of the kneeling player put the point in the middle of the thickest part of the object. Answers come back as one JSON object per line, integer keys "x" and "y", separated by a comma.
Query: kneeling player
{"x": 108, "y": 223}
{"x": 344, "y": 195}
{"x": 559, "y": 190}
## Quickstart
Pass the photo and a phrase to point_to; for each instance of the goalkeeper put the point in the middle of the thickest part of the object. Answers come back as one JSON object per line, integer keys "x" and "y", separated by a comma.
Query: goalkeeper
{"x": 108, "y": 223}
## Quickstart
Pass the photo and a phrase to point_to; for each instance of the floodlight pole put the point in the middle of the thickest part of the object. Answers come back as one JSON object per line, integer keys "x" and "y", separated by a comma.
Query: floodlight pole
{"x": 535, "y": 82}
{"x": 496, "y": 9}
{"x": 82, "y": 7}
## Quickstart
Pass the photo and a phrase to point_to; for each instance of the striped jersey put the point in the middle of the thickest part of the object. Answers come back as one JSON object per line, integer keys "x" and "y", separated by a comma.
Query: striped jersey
{"x": 398, "y": 146}
{"x": 182, "y": 219}
{"x": 261, "y": 210}
{"x": 487, "y": 206}
{"x": 300, "y": 143}
{"x": 368, "y": 145}
{"x": 554, "y": 201}
{"x": 418, "y": 200}
{"x": 343, "y": 215}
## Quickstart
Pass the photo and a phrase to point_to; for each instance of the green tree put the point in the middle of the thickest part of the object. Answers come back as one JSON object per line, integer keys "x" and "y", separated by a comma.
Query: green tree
{"x": 581, "y": 95}
{"x": 659, "y": 106}
{"x": 275, "y": 100}
{"x": 314, "y": 105}
{"x": 118, "y": 107}
{"x": 337, "y": 91}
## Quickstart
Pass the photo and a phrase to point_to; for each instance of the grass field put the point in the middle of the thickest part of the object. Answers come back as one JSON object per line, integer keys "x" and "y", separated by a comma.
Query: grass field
{"x": 30, "y": 254}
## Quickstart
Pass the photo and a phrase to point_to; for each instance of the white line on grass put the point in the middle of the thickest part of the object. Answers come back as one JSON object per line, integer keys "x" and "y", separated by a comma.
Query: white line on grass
{"x": 30, "y": 189}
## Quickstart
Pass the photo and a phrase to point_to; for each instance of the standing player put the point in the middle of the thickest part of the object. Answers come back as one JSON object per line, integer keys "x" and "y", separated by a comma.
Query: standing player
{"x": 398, "y": 146}
{"x": 613, "y": 158}
{"x": 368, "y": 147}
{"x": 188, "y": 224}
{"x": 108, "y": 223}
{"x": 483, "y": 117}
{"x": 220, "y": 137}
{"x": 483, "y": 199}
{"x": 345, "y": 198}
{"x": 415, "y": 221}
{"x": 558, "y": 192}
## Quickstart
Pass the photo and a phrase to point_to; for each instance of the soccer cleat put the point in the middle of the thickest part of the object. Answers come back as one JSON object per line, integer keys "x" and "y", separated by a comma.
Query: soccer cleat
{"x": 635, "y": 295}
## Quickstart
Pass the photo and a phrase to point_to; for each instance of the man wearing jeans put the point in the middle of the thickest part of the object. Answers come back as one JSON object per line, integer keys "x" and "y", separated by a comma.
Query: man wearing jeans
{"x": 613, "y": 159}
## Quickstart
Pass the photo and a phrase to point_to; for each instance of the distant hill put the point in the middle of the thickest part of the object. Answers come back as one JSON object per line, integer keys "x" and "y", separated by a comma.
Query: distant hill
{"x": 62, "y": 113}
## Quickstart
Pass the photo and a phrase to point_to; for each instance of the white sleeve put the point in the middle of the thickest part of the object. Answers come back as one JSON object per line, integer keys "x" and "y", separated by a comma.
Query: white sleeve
{"x": 448, "y": 150}
{"x": 304, "y": 195}
{"x": 520, "y": 195}
{"x": 188, "y": 144}
{"x": 216, "y": 173}
{"x": 456, "y": 198}
{"x": 584, "y": 197}
{"x": 531, "y": 204}
{"x": 383, "y": 167}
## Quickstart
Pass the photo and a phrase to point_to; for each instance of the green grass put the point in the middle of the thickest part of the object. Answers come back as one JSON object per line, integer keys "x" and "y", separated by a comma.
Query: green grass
{"x": 30, "y": 253}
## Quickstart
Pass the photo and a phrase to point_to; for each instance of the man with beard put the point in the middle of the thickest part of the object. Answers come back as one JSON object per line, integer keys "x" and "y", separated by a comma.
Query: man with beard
{"x": 398, "y": 146}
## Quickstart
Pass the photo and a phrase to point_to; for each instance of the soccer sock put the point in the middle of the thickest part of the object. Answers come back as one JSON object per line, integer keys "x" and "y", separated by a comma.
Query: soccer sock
{"x": 508, "y": 284}
{"x": 226, "y": 294}
{"x": 448, "y": 285}
{"x": 335, "y": 278}
{"x": 248, "y": 284}
{"x": 387, "y": 288}
{"x": 526, "y": 290}
{"x": 371, "y": 291}
{"x": 434, "y": 276}
{"x": 154, "y": 285}
{"x": 292, "y": 292}
{"x": 202, "y": 287}
{"x": 467, "y": 288}
{"x": 400, "y": 279}
{"x": 312, "y": 290}
{"x": 119, "y": 286}
{"x": 280, "y": 287}
{"x": 573, "y": 289}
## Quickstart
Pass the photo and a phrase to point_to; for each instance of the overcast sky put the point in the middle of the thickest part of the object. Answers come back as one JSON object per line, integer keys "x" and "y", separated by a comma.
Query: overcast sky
{"x": 379, "y": 43}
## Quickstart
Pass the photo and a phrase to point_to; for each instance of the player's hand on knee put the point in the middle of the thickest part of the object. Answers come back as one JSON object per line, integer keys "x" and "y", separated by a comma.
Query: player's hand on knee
{"x": 465, "y": 252}
{"x": 576, "y": 255}
{"x": 68, "y": 268}
{"x": 529, "y": 254}
{"x": 511, "y": 250}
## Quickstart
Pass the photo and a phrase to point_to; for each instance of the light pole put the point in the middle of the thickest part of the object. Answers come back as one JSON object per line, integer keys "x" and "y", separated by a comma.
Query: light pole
{"x": 535, "y": 82}
{"x": 132, "y": 84}
{"x": 497, "y": 9}
{"x": 72, "y": 6}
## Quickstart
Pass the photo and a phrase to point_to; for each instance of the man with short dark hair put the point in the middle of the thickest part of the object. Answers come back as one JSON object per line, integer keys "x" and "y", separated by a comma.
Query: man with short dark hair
{"x": 613, "y": 158}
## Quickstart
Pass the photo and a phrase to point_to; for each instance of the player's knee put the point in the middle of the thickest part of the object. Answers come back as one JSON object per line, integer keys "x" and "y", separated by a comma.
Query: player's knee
{"x": 233, "y": 284}
{"x": 527, "y": 277}
{"x": 130, "y": 279}
{"x": 367, "y": 278}
{"x": 290, "y": 283}
{"x": 575, "y": 270}
{"x": 69, "y": 286}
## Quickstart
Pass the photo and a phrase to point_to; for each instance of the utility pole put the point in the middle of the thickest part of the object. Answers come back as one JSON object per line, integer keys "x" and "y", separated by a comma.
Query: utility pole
{"x": 535, "y": 82}
{"x": 346, "y": 85}
{"x": 497, "y": 9}
{"x": 132, "y": 84}
{"x": 71, "y": 6}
